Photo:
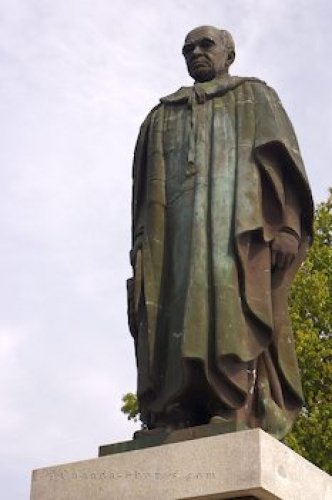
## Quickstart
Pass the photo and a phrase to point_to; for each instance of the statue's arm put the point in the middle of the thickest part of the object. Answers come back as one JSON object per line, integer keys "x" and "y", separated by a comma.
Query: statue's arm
{"x": 134, "y": 284}
{"x": 285, "y": 245}
{"x": 139, "y": 191}
{"x": 278, "y": 153}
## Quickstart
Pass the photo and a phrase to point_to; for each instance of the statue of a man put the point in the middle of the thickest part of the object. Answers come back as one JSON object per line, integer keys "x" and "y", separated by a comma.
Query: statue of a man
{"x": 222, "y": 219}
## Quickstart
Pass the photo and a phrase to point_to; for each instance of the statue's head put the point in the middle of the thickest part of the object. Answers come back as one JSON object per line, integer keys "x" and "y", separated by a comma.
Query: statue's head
{"x": 208, "y": 52}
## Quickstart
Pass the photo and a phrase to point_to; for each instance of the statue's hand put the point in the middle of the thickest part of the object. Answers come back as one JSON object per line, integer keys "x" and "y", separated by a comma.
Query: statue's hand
{"x": 284, "y": 248}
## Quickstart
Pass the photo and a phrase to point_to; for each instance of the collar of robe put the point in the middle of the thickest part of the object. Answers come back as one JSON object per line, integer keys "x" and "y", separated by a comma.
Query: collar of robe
{"x": 200, "y": 92}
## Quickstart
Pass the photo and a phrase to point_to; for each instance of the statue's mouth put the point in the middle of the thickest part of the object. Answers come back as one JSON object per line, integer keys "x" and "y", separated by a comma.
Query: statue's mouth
{"x": 200, "y": 63}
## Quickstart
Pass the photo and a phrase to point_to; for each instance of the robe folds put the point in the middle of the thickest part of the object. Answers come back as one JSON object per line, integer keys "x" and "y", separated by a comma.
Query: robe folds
{"x": 217, "y": 175}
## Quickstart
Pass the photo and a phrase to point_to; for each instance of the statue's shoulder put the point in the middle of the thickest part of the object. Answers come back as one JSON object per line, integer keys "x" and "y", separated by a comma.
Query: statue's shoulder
{"x": 179, "y": 96}
{"x": 260, "y": 89}
{"x": 149, "y": 117}
{"x": 251, "y": 80}
{"x": 151, "y": 113}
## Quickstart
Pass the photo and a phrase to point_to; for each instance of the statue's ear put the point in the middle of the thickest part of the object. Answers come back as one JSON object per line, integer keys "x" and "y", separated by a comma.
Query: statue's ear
{"x": 230, "y": 58}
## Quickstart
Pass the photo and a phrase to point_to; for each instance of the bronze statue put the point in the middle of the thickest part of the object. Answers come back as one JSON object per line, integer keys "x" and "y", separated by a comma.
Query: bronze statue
{"x": 222, "y": 219}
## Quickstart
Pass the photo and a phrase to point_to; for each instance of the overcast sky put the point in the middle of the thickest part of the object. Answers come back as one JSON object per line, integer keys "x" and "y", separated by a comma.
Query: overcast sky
{"x": 77, "y": 77}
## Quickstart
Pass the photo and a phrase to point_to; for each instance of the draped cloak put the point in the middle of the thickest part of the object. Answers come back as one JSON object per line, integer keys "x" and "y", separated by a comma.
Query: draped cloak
{"x": 217, "y": 175}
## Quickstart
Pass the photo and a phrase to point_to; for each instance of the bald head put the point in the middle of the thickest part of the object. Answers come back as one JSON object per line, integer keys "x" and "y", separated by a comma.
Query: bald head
{"x": 208, "y": 52}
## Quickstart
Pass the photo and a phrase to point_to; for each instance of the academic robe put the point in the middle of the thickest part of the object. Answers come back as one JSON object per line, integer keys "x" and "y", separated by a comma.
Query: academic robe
{"x": 217, "y": 175}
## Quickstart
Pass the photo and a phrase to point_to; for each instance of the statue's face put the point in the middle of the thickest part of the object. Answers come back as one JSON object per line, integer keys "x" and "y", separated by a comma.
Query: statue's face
{"x": 205, "y": 54}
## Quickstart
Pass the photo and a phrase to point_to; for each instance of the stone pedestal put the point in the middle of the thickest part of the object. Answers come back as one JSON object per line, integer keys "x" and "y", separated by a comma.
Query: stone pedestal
{"x": 245, "y": 464}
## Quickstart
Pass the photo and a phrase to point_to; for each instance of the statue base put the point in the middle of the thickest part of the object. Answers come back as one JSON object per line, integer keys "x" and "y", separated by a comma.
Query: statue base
{"x": 157, "y": 437}
{"x": 247, "y": 464}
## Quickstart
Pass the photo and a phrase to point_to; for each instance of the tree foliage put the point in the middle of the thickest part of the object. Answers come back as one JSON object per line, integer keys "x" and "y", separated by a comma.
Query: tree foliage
{"x": 311, "y": 312}
{"x": 130, "y": 406}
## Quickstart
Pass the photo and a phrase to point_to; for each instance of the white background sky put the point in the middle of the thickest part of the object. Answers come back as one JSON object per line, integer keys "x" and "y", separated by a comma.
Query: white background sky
{"x": 77, "y": 77}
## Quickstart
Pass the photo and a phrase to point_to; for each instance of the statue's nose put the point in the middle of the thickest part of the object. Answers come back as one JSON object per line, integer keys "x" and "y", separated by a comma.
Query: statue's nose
{"x": 197, "y": 49}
